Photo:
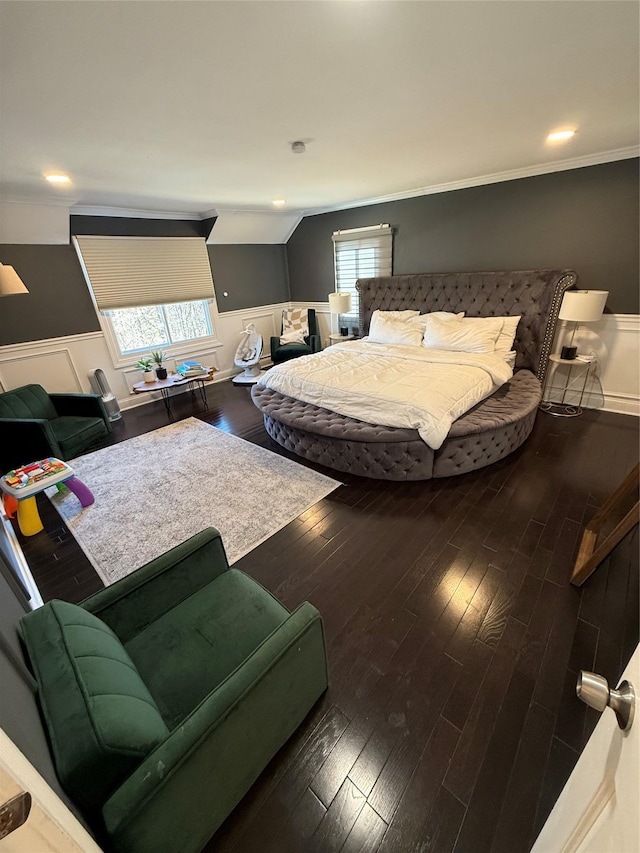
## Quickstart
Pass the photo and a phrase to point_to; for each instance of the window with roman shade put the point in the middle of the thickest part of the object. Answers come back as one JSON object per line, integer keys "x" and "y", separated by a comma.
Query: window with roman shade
{"x": 151, "y": 293}
{"x": 130, "y": 272}
{"x": 360, "y": 253}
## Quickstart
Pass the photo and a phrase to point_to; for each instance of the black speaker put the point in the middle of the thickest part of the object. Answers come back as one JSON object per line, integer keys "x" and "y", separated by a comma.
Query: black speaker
{"x": 568, "y": 353}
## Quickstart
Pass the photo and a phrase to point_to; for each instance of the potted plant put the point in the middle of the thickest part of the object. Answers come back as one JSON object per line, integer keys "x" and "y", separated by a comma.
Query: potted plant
{"x": 158, "y": 356}
{"x": 144, "y": 364}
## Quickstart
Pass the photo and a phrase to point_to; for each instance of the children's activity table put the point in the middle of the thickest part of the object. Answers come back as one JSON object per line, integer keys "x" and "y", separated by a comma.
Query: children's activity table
{"x": 23, "y": 484}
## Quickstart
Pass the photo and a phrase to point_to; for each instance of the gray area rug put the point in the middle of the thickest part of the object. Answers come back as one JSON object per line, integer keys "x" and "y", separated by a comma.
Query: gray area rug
{"x": 154, "y": 491}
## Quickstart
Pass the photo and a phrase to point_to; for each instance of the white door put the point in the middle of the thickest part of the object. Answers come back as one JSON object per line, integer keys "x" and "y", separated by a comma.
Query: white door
{"x": 50, "y": 827}
{"x": 597, "y": 812}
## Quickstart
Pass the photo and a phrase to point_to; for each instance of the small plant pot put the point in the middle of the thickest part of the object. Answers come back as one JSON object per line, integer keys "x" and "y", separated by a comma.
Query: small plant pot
{"x": 149, "y": 376}
{"x": 161, "y": 373}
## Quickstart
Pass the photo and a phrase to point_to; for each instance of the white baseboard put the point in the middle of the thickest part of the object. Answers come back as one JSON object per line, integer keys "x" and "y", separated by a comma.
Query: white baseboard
{"x": 624, "y": 404}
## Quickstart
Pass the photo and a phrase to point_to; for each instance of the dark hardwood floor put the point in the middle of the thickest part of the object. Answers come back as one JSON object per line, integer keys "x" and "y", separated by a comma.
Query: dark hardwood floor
{"x": 454, "y": 640}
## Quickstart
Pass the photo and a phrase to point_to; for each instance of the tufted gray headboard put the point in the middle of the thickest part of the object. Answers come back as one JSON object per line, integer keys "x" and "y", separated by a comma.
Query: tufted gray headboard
{"x": 535, "y": 294}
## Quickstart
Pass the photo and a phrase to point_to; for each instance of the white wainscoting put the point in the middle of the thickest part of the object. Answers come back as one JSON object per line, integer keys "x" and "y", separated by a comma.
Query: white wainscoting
{"x": 63, "y": 364}
{"x": 54, "y": 368}
{"x": 614, "y": 381}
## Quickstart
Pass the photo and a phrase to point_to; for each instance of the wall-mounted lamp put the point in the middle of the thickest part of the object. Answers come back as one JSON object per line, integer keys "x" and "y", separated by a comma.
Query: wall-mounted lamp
{"x": 10, "y": 281}
{"x": 340, "y": 303}
{"x": 581, "y": 306}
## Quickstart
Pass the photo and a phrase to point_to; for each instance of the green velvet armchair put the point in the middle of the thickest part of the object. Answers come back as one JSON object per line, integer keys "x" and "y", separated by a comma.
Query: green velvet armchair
{"x": 35, "y": 424}
{"x": 166, "y": 694}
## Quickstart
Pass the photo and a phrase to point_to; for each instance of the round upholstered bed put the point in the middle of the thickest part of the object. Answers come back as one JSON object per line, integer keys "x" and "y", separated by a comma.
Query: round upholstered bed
{"x": 483, "y": 435}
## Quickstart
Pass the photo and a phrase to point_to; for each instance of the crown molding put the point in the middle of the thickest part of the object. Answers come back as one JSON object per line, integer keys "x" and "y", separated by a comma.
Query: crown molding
{"x": 263, "y": 211}
{"x": 447, "y": 186}
{"x": 133, "y": 213}
{"x": 493, "y": 178}
{"x": 40, "y": 202}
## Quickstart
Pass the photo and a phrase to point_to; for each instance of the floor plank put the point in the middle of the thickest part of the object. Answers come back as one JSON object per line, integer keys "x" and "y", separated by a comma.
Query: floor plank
{"x": 454, "y": 639}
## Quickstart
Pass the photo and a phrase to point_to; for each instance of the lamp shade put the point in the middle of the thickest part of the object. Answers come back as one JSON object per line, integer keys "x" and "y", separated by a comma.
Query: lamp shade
{"x": 10, "y": 281}
{"x": 583, "y": 306}
{"x": 340, "y": 303}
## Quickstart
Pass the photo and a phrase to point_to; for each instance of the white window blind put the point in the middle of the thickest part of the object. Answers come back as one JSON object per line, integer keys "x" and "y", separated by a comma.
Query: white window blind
{"x": 130, "y": 272}
{"x": 361, "y": 253}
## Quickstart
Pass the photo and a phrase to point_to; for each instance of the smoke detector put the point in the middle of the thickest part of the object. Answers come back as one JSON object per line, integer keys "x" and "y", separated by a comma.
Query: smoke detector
{"x": 298, "y": 147}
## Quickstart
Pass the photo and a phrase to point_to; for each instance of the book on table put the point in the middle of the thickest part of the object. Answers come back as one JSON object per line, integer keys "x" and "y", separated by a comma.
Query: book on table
{"x": 192, "y": 369}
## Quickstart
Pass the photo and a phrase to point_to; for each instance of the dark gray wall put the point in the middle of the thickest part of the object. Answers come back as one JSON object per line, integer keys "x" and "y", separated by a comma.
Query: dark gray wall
{"x": 58, "y": 302}
{"x": 127, "y": 226}
{"x": 582, "y": 219}
{"x": 251, "y": 275}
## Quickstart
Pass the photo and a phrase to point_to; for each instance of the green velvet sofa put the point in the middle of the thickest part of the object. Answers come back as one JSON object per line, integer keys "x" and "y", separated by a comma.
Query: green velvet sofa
{"x": 166, "y": 694}
{"x": 35, "y": 424}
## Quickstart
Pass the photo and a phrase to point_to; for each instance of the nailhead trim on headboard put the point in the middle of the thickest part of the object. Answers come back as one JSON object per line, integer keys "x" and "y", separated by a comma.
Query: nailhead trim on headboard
{"x": 535, "y": 294}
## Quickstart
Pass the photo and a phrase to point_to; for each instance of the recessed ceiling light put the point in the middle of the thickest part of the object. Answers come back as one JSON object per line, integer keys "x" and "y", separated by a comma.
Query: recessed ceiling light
{"x": 560, "y": 135}
{"x": 58, "y": 178}
{"x": 278, "y": 202}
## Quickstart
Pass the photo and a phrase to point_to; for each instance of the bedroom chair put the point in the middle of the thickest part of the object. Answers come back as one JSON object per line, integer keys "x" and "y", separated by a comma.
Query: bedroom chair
{"x": 166, "y": 694}
{"x": 35, "y": 424}
{"x": 291, "y": 319}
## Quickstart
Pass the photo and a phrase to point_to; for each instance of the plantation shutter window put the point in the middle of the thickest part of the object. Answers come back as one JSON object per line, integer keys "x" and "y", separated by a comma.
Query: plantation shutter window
{"x": 361, "y": 253}
{"x": 132, "y": 272}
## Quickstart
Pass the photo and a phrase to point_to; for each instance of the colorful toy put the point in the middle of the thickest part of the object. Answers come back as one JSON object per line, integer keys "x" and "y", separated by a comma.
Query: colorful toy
{"x": 23, "y": 484}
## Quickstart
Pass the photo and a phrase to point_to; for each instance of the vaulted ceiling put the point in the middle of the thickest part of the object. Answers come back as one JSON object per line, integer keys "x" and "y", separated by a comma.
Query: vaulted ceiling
{"x": 192, "y": 106}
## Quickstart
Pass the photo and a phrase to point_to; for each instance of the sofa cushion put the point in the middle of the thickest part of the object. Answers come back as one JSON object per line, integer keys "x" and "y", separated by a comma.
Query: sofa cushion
{"x": 101, "y": 719}
{"x": 29, "y": 401}
{"x": 287, "y": 351}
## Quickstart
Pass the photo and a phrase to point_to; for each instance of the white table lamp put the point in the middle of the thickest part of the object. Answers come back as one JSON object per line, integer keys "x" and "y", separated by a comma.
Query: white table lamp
{"x": 340, "y": 303}
{"x": 581, "y": 306}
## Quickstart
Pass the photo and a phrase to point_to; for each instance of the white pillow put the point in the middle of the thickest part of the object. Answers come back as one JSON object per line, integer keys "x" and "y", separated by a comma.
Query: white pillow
{"x": 296, "y": 336}
{"x": 508, "y": 333}
{"x": 447, "y": 316}
{"x": 470, "y": 334}
{"x": 385, "y": 330}
{"x": 509, "y": 357}
{"x": 442, "y": 315}
{"x": 395, "y": 315}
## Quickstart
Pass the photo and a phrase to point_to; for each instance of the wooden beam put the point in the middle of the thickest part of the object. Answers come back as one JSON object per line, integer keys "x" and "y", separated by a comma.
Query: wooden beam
{"x": 590, "y": 554}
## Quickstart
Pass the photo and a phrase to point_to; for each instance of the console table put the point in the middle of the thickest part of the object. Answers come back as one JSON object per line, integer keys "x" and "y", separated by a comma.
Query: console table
{"x": 163, "y": 386}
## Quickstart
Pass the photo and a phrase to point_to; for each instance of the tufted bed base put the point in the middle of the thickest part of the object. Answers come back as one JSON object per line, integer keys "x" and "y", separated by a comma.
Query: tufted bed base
{"x": 490, "y": 431}
{"x": 485, "y": 434}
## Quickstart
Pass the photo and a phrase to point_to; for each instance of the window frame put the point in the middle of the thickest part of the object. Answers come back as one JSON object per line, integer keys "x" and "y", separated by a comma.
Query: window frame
{"x": 172, "y": 351}
{"x": 166, "y": 344}
{"x": 175, "y": 351}
{"x": 385, "y": 234}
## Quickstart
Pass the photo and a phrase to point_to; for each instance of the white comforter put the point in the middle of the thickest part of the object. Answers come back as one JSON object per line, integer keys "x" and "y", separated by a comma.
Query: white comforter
{"x": 398, "y": 386}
